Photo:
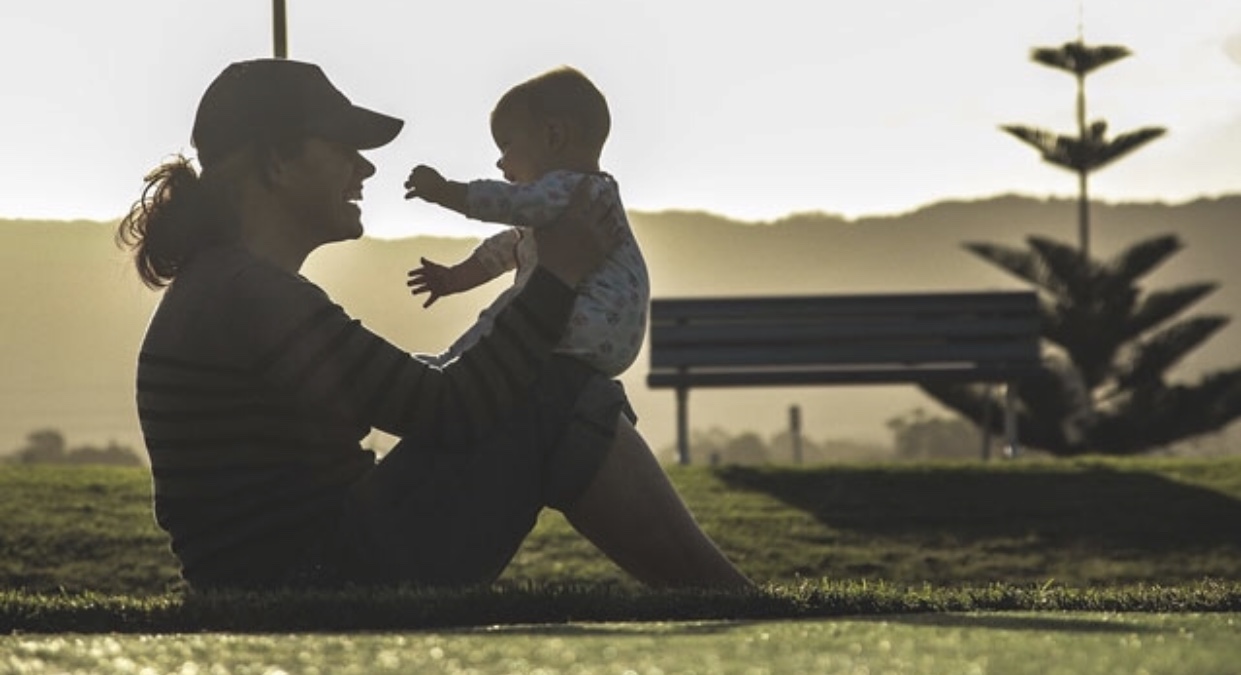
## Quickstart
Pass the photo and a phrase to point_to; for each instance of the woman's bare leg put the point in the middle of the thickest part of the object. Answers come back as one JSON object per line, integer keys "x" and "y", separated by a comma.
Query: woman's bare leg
{"x": 634, "y": 515}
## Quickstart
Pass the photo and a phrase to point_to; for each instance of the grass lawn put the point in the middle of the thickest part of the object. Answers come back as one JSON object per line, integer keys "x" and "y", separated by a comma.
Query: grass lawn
{"x": 1084, "y": 566}
{"x": 1082, "y": 523}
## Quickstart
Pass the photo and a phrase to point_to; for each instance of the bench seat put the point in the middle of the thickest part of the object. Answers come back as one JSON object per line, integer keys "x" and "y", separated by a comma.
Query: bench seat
{"x": 751, "y": 341}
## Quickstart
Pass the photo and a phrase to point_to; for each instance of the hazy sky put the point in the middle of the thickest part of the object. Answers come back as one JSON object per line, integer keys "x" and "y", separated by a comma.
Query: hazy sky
{"x": 751, "y": 110}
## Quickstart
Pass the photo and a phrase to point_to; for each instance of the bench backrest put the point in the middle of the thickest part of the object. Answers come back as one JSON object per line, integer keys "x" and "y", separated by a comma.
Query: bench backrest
{"x": 751, "y": 341}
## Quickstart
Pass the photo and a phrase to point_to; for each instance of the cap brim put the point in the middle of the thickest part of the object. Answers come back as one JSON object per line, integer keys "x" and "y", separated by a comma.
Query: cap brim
{"x": 360, "y": 128}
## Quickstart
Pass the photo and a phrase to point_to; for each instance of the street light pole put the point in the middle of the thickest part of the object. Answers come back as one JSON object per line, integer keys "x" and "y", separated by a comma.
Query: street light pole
{"x": 279, "y": 33}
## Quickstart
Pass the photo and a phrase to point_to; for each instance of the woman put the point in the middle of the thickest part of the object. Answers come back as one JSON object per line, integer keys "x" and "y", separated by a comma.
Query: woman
{"x": 255, "y": 390}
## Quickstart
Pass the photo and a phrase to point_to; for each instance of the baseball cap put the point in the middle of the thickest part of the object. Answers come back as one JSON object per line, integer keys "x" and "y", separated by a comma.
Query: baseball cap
{"x": 269, "y": 99}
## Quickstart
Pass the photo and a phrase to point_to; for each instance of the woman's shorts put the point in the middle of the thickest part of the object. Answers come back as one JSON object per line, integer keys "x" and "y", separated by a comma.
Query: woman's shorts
{"x": 437, "y": 516}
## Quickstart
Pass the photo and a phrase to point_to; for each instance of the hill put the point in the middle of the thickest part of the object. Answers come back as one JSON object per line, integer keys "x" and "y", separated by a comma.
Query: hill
{"x": 75, "y": 311}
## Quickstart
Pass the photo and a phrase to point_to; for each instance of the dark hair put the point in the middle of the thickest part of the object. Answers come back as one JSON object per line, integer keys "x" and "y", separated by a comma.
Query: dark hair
{"x": 183, "y": 210}
{"x": 563, "y": 93}
{"x": 168, "y": 223}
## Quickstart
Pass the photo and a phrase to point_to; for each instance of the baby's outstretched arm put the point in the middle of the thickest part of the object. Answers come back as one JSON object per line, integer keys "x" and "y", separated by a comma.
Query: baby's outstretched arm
{"x": 437, "y": 280}
{"x": 427, "y": 184}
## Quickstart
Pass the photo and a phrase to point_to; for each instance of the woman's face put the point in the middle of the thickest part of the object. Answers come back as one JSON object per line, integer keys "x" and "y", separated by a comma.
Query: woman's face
{"x": 322, "y": 187}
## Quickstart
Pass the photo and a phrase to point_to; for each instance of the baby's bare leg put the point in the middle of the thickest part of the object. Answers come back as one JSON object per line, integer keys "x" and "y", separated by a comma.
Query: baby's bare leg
{"x": 634, "y": 515}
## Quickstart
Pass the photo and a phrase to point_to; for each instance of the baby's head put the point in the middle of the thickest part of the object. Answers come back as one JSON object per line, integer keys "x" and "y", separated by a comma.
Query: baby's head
{"x": 558, "y": 120}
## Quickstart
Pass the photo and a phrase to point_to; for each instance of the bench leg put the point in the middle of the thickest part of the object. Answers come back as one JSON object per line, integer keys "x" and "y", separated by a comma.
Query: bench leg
{"x": 1010, "y": 420}
{"x": 683, "y": 425}
{"x": 986, "y": 424}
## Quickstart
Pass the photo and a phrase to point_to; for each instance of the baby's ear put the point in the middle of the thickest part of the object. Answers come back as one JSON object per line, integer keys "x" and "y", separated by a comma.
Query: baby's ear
{"x": 556, "y": 134}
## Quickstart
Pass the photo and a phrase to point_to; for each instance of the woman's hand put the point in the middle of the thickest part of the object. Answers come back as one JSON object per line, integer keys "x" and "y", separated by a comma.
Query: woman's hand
{"x": 577, "y": 244}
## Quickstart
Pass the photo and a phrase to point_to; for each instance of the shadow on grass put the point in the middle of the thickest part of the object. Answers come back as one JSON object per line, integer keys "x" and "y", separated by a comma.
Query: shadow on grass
{"x": 1030, "y": 622}
{"x": 1013, "y": 622}
{"x": 618, "y": 630}
{"x": 1092, "y": 507}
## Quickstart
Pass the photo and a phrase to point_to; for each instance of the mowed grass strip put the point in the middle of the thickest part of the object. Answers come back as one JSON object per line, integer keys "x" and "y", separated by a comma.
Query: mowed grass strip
{"x": 1011, "y": 643}
{"x": 405, "y": 608}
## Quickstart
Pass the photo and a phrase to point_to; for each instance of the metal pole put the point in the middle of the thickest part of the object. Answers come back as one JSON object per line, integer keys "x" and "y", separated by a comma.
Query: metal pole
{"x": 795, "y": 432}
{"x": 683, "y": 425}
{"x": 986, "y": 423}
{"x": 1010, "y": 420}
{"x": 280, "y": 42}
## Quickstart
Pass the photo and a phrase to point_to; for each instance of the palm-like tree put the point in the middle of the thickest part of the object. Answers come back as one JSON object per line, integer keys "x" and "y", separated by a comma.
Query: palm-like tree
{"x": 1090, "y": 150}
{"x": 1111, "y": 347}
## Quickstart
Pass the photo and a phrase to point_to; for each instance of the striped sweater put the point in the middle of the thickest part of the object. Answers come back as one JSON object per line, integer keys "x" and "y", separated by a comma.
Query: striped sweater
{"x": 254, "y": 392}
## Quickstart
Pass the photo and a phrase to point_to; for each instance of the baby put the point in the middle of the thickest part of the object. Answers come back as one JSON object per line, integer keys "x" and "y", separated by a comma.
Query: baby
{"x": 550, "y": 131}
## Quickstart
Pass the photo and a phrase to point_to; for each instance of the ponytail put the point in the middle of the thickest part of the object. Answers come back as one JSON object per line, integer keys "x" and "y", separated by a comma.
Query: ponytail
{"x": 176, "y": 217}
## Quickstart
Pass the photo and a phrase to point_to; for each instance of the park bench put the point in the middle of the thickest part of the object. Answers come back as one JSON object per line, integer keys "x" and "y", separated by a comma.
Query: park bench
{"x": 986, "y": 337}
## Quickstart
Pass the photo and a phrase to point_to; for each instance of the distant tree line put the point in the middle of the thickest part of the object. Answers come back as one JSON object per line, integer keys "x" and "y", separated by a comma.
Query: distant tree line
{"x": 48, "y": 446}
{"x": 916, "y": 435}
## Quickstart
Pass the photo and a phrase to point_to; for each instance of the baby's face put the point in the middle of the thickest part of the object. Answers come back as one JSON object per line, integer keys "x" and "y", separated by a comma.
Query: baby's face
{"x": 525, "y": 154}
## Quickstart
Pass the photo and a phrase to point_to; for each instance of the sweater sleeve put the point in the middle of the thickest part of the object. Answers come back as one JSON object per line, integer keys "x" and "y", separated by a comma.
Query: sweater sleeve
{"x": 303, "y": 344}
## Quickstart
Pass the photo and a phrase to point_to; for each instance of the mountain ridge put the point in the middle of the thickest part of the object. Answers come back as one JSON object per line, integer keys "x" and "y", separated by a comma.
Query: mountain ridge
{"x": 75, "y": 310}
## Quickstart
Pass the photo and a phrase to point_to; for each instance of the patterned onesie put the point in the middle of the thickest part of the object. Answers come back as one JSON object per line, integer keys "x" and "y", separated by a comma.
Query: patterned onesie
{"x": 609, "y": 315}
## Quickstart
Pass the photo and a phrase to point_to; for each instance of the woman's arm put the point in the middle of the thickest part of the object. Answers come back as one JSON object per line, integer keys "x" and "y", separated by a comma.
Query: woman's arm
{"x": 307, "y": 346}
{"x": 304, "y": 344}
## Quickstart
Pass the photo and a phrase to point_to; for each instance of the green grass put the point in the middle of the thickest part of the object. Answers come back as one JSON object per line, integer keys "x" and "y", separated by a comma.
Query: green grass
{"x": 422, "y": 609}
{"x": 1081, "y": 523}
{"x": 79, "y": 529}
{"x": 82, "y": 553}
{"x": 958, "y": 643}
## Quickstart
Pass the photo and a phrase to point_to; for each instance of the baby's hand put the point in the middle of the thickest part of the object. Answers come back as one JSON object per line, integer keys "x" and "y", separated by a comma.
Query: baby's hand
{"x": 433, "y": 279}
{"x": 424, "y": 182}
